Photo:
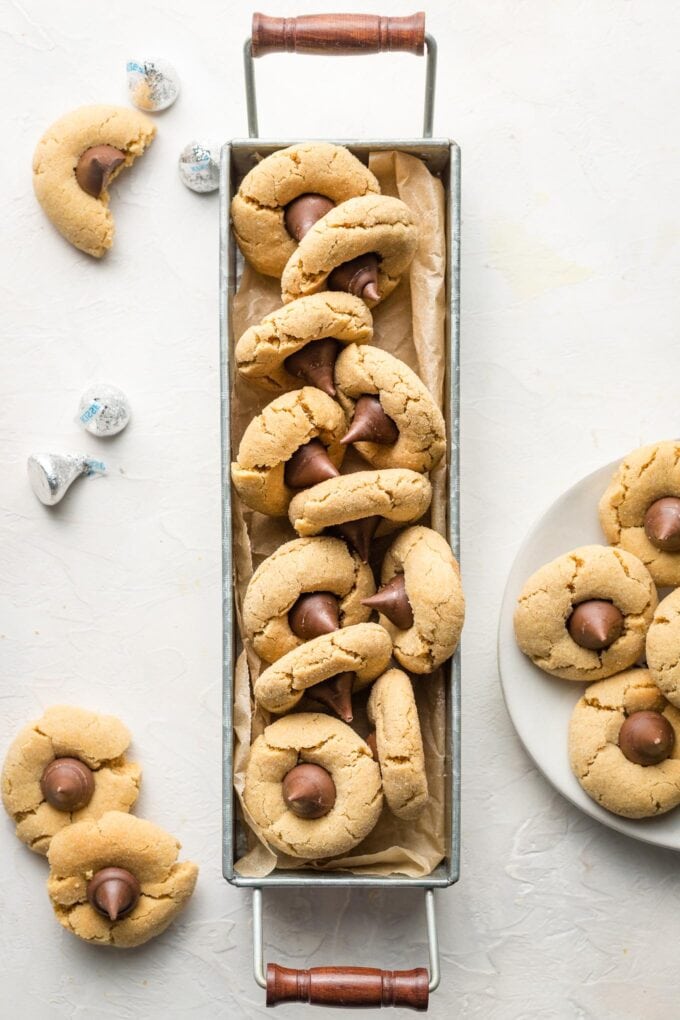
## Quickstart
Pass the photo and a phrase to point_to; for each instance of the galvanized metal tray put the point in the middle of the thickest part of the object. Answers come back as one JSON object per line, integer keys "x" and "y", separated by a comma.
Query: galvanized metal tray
{"x": 442, "y": 157}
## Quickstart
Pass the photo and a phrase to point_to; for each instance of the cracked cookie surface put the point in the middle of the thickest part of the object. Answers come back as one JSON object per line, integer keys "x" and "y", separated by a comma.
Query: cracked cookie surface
{"x": 663, "y": 647}
{"x": 363, "y": 649}
{"x": 261, "y": 351}
{"x": 64, "y": 731}
{"x": 393, "y": 712}
{"x": 271, "y": 439}
{"x": 645, "y": 475}
{"x": 404, "y": 398}
{"x": 548, "y": 599}
{"x": 82, "y": 219}
{"x": 258, "y": 207}
{"x": 396, "y": 494}
{"x": 604, "y": 772}
{"x": 330, "y": 743}
{"x": 374, "y": 223}
{"x": 300, "y": 566}
{"x": 121, "y": 841}
{"x": 435, "y": 594}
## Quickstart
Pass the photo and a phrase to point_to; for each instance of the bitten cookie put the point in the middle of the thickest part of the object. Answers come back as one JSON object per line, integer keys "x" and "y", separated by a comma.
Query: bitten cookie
{"x": 624, "y": 746}
{"x": 117, "y": 865}
{"x": 258, "y": 209}
{"x": 392, "y": 711}
{"x": 73, "y": 164}
{"x": 308, "y": 325}
{"x": 67, "y": 766}
{"x": 663, "y": 647}
{"x": 363, "y": 651}
{"x": 375, "y": 224}
{"x": 314, "y": 813}
{"x": 421, "y": 602}
{"x": 298, "y": 568}
{"x": 420, "y": 442}
{"x": 264, "y": 474}
{"x": 640, "y": 511}
{"x": 585, "y": 615}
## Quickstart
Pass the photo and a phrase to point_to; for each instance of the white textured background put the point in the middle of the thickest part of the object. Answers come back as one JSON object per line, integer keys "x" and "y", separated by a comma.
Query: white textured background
{"x": 567, "y": 114}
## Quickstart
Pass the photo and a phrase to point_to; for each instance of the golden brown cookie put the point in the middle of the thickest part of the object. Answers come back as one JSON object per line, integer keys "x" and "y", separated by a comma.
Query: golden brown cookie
{"x": 551, "y": 595}
{"x": 262, "y": 350}
{"x": 283, "y": 426}
{"x": 258, "y": 208}
{"x": 85, "y": 219}
{"x": 431, "y": 578}
{"x": 297, "y": 567}
{"x": 663, "y": 647}
{"x": 363, "y": 650}
{"x": 392, "y": 711}
{"x": 97, "y": 741}
{"x": 374, "y": 224}
{"x": 646, "y": 475}
{"x": 421, "y": 442}
{"x": 602, "y": 768}
{"x": 117, "y": 840}
{"x": 326, "y": 742}
{"x": 397, "y": 495}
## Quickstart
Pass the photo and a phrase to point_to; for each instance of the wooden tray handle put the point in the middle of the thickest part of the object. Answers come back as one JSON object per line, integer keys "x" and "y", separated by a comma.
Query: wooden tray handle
{"x": 337, "y": 34}
{"x": 351, "y": 987}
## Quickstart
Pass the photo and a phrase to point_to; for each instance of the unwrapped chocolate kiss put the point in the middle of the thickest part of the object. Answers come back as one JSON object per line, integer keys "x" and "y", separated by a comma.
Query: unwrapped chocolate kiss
{"x": 315, "y": 613}
{"x": 392, "y": 601}
{"x": 309, "y": 465}
{"x": 359, "y": 276}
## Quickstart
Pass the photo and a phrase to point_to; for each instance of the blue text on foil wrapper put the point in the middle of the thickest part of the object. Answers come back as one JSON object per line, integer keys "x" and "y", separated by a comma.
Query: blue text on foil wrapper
{"x": 90, "y": 412}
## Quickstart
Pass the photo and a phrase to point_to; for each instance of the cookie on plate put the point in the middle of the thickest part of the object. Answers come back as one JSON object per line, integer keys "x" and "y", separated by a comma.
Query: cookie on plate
{"x": 663, "y": 647}
{"x": 68, "y": 765}
{"x": 398, "y": 742}
{"x": 624, "y": 745}
{"x": 585, "y": 615}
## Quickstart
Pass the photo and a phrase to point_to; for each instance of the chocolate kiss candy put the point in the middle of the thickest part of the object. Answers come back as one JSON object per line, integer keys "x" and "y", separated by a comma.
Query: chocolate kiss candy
{"x": 113, "y": 892}
{"x": 646, "y": 738}
{"x": 302, "y": 213}
{"x": 662, "y": 524}
{"x": 309, "y": 791}
{"x": 359, "y": 534}
{"x": 51, "y": 474}
{"x": 315, "y": 613}
{"x": 67, "y": 784}
{"x": 359, "y": 276}
{"x": 308, "y": 465}
{"x": 373, "y": 744}
{"x": 595, "y": 624}
{"x": 336, "y": 693}
{"x": 314, "y": 363}
{"x": 392, "y": 601}
{"x": 95, "y": 167}
{"x": 370, "y": 423}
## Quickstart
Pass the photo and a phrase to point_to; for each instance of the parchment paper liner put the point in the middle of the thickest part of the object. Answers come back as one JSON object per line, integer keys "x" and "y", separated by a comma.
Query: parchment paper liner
{"x": 410, "y": 325}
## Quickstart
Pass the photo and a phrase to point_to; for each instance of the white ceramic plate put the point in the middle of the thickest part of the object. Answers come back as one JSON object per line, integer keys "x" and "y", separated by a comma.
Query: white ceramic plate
{"x": 540, "y": 706}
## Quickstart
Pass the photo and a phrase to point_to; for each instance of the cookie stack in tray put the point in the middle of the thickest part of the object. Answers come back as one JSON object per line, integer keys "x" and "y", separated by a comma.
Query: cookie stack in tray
{"x": 342, "y": 449}
{"x": 595, "y": 614}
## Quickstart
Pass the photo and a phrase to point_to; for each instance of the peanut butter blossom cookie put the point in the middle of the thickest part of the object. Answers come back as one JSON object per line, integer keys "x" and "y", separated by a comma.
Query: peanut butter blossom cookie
{"x": 640, "y": 511}
{"x": 421, "y": 601}
{"x": 283, "y": 196}
{"x": 116, "y": 880}
{"x": 663, "y": 647}
{"x": 68, "y": 765}
{"x": 398, "y": 743}
{"x": 312, "y": 786}
{"x": 394, "y": 422}
{"x": 624, "y": 747}
{"x": 74, "y": 163}
{"x": 308, "y": 587}
{"x": 585, "y": 615}
{"x": 301, "y": 342}
{"x": 293, "y": 443}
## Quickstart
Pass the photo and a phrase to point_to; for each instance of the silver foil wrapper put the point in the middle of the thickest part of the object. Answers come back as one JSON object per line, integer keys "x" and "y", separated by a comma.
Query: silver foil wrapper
{"x": 199, "y": 167}
{"x": 104, "y": 410}
{"x": 153, "y": 84}
{"x": 52, "y": 474}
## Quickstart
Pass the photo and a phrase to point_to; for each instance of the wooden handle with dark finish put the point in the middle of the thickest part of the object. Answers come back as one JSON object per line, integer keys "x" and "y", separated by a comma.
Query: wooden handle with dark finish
{"x": 337, "y": 34}
{"x": 348, "y": 986}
